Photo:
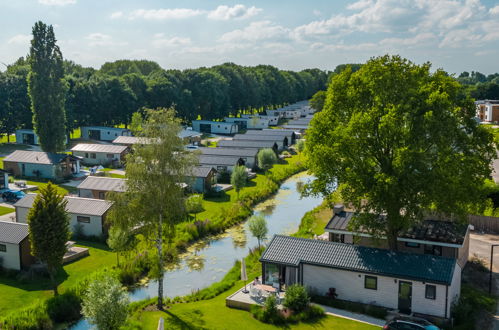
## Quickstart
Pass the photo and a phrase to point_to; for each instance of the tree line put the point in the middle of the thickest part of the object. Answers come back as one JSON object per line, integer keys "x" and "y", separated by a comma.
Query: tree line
{"x": 110, "y": 95}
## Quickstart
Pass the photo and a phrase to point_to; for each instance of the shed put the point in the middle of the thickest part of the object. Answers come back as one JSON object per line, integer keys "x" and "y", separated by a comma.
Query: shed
{"x": 41, "y": 164}
{"x": 202, "y": 179}
{"x": 407, "y": 282}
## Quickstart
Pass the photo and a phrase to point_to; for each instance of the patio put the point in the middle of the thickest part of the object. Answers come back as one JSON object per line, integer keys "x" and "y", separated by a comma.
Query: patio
{"x": 242, "y": 300}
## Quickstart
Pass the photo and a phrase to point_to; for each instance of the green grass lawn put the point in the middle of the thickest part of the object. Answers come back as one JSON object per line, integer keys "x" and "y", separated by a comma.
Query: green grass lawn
{"x": 4, "y": 139}
{"x": 16, "y": 293}
{"x": 6, "y": 210}
{"x": 61, "y": 189}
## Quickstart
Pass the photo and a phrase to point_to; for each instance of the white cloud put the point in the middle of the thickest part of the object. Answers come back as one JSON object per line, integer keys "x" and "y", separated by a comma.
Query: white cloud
{"x": 116, "y": 14}
{"x": 164, "y": 14}
{"x": 225, "y": 13}
{"x": 494, "y": 10}
{"x": 317, "y": 12}
{"x": 359, "y": 5}
{"x": 57, "y": 2}
{"x": 261, "y": 30}
{"x": 161, "y": 42}
{"x": 20, "y": 39}
{"x": 101, "y": 39}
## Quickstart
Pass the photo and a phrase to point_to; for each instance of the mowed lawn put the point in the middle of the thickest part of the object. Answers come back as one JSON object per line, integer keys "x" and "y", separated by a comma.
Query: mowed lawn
{"x": 213, "y": 314}
{"x": 16, "y": 293}
{"x": 6, "y": 210}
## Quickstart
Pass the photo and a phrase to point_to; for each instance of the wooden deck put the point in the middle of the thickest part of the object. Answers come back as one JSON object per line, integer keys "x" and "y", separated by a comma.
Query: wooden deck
{"x": 74, "y": 253}
{"x": 241, "y": 300}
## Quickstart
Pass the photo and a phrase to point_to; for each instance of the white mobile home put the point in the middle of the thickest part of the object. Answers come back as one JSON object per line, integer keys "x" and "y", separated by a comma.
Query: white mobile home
{"x": 15, "y": 250}
{"x": 89, "y": 213}
{"x": 214, "y": 127}
{"x": 26, "y": 136}
{"x": 409, "y": 283}
{"x": 103, "y": 133}
{"x": 273, "y": 120}
{"x": 254, "y": 122}
{"x": 100, "y": 154}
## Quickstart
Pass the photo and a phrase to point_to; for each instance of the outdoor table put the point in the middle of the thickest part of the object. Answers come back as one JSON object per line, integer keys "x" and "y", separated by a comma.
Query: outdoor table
{"x": 267, "y": 288}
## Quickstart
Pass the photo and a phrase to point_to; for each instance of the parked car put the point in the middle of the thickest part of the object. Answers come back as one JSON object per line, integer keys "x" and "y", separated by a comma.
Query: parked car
{"x": 409, "y": 323}
{"x": 12, "y": 195}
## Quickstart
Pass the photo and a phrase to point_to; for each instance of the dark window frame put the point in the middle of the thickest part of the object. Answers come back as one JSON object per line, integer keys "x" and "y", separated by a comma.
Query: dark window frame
{"x": 375, "y": 278}
{"x": 426, "y": 293}
{"x": 81, "y": 218}
{"x": 3, "y": 247}
{"x": 412, "y": 245}
{"x": 93, "y": 155}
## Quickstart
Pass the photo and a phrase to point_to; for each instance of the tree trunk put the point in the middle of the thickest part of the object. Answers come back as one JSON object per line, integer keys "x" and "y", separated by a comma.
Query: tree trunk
{"x": 392, "y": 240}
{"x": 159, "y": 244}
{"x": 52, "y": 280}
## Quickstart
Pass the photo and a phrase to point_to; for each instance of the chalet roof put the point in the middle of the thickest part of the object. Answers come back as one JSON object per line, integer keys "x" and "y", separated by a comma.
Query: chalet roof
{"x": 76, "y": 205}
{"x": 105, "y": 148}
{"x": 202, "y": 171}
{"x": 13, "y": 232}
{"x": 428, "y": 230}
{"x": 229, "y": 152}
{"x": 103, "y": 184}
{"x": 293, "y": 251}
{"x": 129, "y": 140}
{"x": 106, "y": 128}
{"x": 35, "y": 157}
{"x": 220, "y": 161}
{"x": 259, "y": 137}
{"x": 246, "y": 144}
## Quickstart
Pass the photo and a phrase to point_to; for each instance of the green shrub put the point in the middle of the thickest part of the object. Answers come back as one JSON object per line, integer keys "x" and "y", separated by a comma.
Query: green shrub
{"x": 296, "y": 298}
{"x": 374, "y": 311}
{"x": 64, "y": 308}
{"x": 470, "y": 303}
{"x": 34, "y": 317}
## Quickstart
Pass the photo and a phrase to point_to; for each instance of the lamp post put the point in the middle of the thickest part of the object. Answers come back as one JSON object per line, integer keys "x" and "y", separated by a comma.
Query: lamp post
{"x": 491, "y": 263}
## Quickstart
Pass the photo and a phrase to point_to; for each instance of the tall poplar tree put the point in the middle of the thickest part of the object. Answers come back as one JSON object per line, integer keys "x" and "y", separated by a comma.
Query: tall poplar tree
{"x": 48, "y": 223}
{"x": 47, "y": 88}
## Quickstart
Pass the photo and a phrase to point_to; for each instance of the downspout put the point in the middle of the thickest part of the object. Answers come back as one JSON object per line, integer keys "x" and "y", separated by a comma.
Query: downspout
{"x": 446, "y": 299}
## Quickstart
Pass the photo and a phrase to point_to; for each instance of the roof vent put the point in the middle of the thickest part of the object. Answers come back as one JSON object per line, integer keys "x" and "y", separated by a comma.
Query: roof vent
{"x": 338, "y": 208}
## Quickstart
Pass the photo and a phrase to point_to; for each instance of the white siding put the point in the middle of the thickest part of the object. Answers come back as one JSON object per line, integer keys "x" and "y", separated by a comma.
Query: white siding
{"x": 455, "y": 288}
{"x": 85, "y": 193}
{"x": 350, "y": 286}
{"x": 22, "y": 214}
{"x": 100, "y": 157}
{"x": 11, "y": 258}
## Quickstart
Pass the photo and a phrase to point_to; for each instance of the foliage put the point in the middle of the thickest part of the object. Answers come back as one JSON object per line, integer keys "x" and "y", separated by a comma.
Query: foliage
{"x": 352, "y": 306}
{"x": 296, "y": 298}
{"x": 238, "y": 179}
{"x": 398, "y": 139}
{"x": 28, "y": 318}
{"x": 49, "y": 229}
{"x": 471, "y": 302}
{"x": 154, "y": 201}
{"x": 258, "y": 227}
{"x": 64, "y": 308}
{"x": 317, "y": 101}
{"x": 194, "y": 204}
{"x": 266, "y": 158}
{"x": 105, "y": 303}
{"x": 300, "y": 145}
{"x": 269, "y": 313}
{"x": 121, "y": 241}
{"x": 47, "y": 89}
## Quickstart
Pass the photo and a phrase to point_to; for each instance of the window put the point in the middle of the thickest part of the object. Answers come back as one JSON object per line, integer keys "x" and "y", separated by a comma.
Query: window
{"x": 3, "y": 248}
{"x": 371, "y": 282}
{"x": 430, "y": 291}
{"x": 93, "y": 156}
{"x": 412, "y": 244}
{"x": 86, "y": 154}
{"x": 435, "y": 250}
{"x": 102, "y": 195}
{"x": 83, "y": 219}
{"x": 109, "y": 156}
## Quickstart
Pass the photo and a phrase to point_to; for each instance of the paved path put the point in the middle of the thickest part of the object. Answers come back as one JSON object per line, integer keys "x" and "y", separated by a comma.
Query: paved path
{"x": 353, "y": 316}
{"x": 119, "y": 172}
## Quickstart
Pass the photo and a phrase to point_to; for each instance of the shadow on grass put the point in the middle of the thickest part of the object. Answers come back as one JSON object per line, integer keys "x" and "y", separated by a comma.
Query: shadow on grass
{"x": 176, "y": 322}
{"x": 222, "y": 197}
{"x": 93, "y": 244}
{"x": 38, "y": 282}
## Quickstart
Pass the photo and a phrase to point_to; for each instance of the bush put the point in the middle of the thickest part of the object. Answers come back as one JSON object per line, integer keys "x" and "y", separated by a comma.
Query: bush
{"x": 471, "y": 302}
{"x": 296, "y": 298}
{"x": 30, "y": 318}
{"x": 371, "y": 310}
{"x": 64, "y": 308}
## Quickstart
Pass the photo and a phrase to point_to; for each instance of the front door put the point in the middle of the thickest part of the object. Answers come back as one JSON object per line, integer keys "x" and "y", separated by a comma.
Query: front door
{"x": 405, "y": 297}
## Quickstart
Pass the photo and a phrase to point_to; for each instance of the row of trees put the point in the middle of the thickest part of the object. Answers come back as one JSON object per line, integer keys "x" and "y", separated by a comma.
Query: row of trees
{"x": 110, "y": 95}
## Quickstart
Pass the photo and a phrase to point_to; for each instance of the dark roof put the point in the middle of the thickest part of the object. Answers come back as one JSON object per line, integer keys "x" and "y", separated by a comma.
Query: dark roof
{"x": 428, "y": 230}
{"x": 201, "y": 171}
{"x": 77, "y": 205}
{"x": 216, "y": 160}
{"x": 13, "y": 232}
{"x": 103, "y": 184}
{"x": 293, "y": 251}
{"x": 251, "y": 152}
{"x": 274, "y": 131}
{"x": 259, "y": 137}
{"x": 245, "y": 144}
{"x": 36, "y": 157}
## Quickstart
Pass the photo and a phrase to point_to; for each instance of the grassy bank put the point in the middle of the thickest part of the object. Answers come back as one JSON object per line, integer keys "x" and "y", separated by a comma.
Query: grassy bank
{"x": 6, "y": 210}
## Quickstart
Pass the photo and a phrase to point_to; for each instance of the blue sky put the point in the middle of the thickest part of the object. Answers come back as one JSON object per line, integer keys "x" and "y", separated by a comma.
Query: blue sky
{"x": 453, "y": 35}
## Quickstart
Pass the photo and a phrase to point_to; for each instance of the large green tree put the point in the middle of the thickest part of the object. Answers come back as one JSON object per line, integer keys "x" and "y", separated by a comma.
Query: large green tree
{"x": 398, "y": 138}
{"x": 47, "y": 88}
{"x": 154, "y": 201}
{"x": 49, "y": 229}
{"x": 238, "y": 179}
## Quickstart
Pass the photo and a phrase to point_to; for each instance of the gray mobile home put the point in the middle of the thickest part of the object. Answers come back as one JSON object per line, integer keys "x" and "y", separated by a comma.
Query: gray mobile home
{"x": 214, "y": 127}
{"x": 103, "y": 133}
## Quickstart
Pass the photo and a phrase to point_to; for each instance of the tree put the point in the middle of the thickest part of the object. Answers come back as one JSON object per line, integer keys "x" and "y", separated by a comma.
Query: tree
{"x": 194, "y": 205}
{"x": 398, "y": 139}
{"x": 258, "y": 228}
{"x": 105, "y": 303}
{"x": 154, "y": 201}
{"x": 120, "y": 241}
{"x": 266, "y": 159}
{"x": 300, "y": 145}
{"x": 317, "y": 101}
{"x": 238, "y": 179}
{"x": 47, "y": 88}
{"x": 49, "y": 229}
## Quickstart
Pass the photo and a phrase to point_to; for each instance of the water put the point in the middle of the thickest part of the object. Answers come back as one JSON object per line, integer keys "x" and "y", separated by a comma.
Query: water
{"x": 208, "y": 261}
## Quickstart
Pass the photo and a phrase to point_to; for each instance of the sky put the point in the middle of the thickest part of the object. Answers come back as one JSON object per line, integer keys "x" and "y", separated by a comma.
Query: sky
{"x": 289, "y": 34}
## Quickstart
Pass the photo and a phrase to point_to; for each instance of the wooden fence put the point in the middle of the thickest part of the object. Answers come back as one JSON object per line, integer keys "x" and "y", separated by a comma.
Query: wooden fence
{"x": 484, "y": 224}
